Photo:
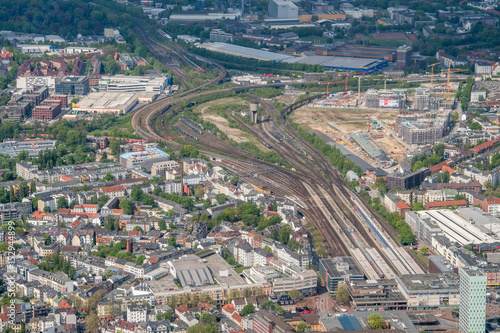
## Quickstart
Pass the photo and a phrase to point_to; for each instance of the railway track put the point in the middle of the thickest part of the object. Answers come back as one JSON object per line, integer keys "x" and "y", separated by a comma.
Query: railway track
{"x": 311, "y": 167}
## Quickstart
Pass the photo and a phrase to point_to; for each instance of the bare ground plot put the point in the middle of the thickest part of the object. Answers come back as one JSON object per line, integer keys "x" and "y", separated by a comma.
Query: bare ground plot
{"x": 209, "y": 112}
{"x": 392, "y": 148}
{"x": 339, "y": 123}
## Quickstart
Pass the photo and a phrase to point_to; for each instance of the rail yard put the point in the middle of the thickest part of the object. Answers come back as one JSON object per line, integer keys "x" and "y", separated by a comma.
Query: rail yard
{"x": 323, "y": 197}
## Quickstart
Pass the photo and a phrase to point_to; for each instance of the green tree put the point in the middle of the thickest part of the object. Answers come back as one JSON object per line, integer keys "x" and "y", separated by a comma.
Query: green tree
{"x": 248, "y": 309}
{"x": 418, "y": 206}
{"x": 172, "y": 241}
{"x": 475, "y": 126}
{"x": 234, "y": 180}
{"x": 137, "y": 228}
{"x": 221, "y": 198}
{"x": 199, "y": 191}
{"x": 302, "y": 326}
{"x": 47, "y": 239}
{"x": 109, "y": 177}
{"x": 162, "y": 225}
{"x": 92, "y": 322}
{"x": 140, "y": 259}
{"x": 127, "y": 206}
{"x": 62, "y": 202}
{"x": 342, "y": 294}
{"x": 376, "y": 321}
{"x": 108, "y": 273}
{"x": 295, "y": 294}
{"x": 208, "y": 318}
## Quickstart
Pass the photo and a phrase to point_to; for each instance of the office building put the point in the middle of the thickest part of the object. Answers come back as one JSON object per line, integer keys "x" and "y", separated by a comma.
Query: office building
{"x": 472, "y": 313}
{"x": 403, "y": 56}
{"x": 408, "y": 180}
{"x": 159, "y": 168}
{"x": 430, "y": 291}
{"x": 73, "y": 85}
{"x": 134, "y": 83}
{"x": 339, "y": 269}
{"x": 144, "y": 159}
{"x": 283, "y": 10}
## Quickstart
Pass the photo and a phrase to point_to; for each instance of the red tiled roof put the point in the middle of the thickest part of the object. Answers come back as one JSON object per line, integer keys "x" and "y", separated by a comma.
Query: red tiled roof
{"x": 65, "y": 178}
{"x": 117, "y": 188}
{"x": 493, "y": 201}
{"x": 448, "y": 203}
{"x": 89, "y": 206}
{"x": 402, "y": 205}
{"x": 32, "y": 261}
{"x": 63, "y": 211}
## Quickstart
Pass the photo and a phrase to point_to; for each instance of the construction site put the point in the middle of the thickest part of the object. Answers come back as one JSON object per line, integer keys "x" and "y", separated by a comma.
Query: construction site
{"x": 383, "y": 125}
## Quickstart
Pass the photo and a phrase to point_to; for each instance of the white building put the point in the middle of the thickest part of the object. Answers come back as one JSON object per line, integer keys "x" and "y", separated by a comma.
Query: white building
{"x": 482, "y": 68}
{"x": 28, "y": 82}
{"x": 134, "y": 83}
{"x": 283, "y": 10}
{"x": 472, "y": 314}
{"x": 136, "y": 314}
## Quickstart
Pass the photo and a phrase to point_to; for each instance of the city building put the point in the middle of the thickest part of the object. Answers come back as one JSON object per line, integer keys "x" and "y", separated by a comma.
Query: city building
{"x": 472, "y": 312}
{"x": 403, "y": 56}
{"x": 46, "y": 112}
{"x": 73, "y": 85}
{"x": 283, "y": 10}
{"x": 144, "y": 159}
{"x": 482, "y": 68}
{"x": 158, "y": 84}
{"x": 376, "y": 295}
{"x": 137, "y": 314}
{"x": 430, "y": 291}
{"x": 407, "y": 180}
{"x": 335, "y": 270}
{"x": 422, "y": 99}
{"x": 112, "y": 102}
{"x": 159, "y": 168}
{"x": 219, "y": 35}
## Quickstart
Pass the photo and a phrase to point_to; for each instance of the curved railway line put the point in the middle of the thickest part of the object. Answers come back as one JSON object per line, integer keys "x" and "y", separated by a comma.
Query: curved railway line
{"x": 312, "y": 170}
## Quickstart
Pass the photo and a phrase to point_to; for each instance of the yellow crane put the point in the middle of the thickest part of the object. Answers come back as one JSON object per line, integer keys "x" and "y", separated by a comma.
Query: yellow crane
{"x": 432, "y": 71}
{"x": 451, "y": 70}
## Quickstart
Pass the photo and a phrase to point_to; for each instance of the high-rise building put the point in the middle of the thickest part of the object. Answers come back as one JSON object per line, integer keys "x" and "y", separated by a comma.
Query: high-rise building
{"x": 403, "y": 56}
{"x": 472, "y": 312}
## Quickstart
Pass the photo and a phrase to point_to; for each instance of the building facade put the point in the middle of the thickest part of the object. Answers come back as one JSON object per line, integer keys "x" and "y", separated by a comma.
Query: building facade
{"x": 473, "y": 301}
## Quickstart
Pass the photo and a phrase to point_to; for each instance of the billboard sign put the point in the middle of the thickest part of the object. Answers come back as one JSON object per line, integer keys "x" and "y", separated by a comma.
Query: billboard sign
{"x": 388, "y": 103}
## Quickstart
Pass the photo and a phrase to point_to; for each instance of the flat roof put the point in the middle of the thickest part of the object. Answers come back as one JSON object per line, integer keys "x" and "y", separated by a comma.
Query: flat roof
{"x": 245, "y": 52}
{"x": 335, "y": 62}
{"x": 430, "y": 281}
{"x": 484, "y": 221}
{"x": 367, "y": 145}
{"x": 456, "y": 228}
{"x": 148, "y": 153}
{"x": 107, "y": 101}
{"x": 216, "y": 264}
{"x": 335, "y": 267}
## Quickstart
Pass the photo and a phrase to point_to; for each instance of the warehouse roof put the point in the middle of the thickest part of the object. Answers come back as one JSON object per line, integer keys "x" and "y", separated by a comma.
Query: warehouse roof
{"x": 337, "y": 62}
{"x": 245, "y": 52}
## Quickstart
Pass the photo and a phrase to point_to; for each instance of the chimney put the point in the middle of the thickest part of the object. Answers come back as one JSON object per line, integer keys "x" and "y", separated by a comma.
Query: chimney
{"x": 130, "y": 248}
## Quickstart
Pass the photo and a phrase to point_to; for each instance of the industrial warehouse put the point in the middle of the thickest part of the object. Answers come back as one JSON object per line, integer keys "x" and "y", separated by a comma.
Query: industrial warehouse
{"x": 355, "y": 62}
{"x": 113, "y": 102}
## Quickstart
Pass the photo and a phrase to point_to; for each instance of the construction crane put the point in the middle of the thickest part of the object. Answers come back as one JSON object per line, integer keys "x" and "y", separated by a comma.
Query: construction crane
{"x": 328, "y": 84}
{"x": 451, "y": 70}
{"x": 432, "y": 70}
